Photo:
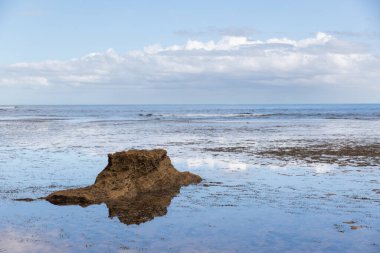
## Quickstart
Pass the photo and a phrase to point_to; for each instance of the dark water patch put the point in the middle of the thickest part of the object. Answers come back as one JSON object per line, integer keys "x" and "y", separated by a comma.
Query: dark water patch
{"x": 208, "y": 184}
{"x": 25, "y": 199}
{"x": 349, "y": 222}
{"x": 353, "y": 155}
{"x": 357, "y": 227}
{"x": 228, "y": 149}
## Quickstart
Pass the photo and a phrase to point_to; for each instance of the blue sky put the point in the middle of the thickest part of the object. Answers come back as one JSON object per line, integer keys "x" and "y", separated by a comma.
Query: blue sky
{"x": 62, "y": 52}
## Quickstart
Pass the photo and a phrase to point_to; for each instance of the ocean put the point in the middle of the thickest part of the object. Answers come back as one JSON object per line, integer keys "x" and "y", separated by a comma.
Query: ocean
{"x": 277, "y": 178}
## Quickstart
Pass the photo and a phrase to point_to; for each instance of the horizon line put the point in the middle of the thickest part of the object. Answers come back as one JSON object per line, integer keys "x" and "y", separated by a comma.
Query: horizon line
{"x": 131, "y": 104}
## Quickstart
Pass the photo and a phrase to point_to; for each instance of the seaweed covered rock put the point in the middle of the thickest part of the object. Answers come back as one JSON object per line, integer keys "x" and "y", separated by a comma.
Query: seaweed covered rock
{"x": 132, "y": 181}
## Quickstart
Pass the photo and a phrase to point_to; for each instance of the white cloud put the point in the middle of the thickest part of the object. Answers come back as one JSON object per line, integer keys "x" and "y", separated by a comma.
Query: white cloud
{"x": 234, "y": 61}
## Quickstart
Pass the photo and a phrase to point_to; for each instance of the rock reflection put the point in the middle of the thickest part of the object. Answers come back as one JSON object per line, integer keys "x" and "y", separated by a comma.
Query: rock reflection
{"x": 141, "y": 209}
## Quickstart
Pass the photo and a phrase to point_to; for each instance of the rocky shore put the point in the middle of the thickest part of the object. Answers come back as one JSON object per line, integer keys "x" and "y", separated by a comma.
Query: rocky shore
{"x": 136, "y": 186}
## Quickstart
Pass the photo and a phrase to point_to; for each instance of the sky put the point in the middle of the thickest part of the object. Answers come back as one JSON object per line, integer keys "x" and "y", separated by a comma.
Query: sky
{"x": 164, "y": 52}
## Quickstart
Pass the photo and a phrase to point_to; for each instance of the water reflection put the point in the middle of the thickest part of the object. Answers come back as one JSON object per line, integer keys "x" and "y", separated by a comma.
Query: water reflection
{"x": 12, "y": 240}
{"x": 141, "y": 209}
{"x": 211, "y": 162}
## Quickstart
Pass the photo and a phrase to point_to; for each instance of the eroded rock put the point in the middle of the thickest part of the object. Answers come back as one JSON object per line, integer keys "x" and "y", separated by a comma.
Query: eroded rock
{"x": 136, "y": 186}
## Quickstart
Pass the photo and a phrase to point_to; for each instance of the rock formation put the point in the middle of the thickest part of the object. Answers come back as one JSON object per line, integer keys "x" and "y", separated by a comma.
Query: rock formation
{"x": 136, "y": 186}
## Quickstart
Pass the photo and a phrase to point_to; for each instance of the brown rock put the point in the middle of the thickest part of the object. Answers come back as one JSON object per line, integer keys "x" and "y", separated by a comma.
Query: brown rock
{"x": 136, "y": 185}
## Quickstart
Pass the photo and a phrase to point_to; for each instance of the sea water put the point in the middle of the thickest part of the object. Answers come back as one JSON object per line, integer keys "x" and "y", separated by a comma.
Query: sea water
{"x": 246, "y": 203}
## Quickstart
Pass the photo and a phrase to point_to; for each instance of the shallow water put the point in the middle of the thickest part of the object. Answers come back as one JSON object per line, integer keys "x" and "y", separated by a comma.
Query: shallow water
{"x": 246, "y": 203}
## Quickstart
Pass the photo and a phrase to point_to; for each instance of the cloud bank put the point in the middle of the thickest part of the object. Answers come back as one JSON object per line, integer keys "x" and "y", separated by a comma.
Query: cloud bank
{"x": 233, "y": 61}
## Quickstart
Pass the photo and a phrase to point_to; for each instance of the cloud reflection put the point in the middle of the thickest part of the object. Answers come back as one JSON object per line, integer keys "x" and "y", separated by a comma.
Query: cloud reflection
{"x": 216, "y": 163}
{"x": 14, "y": 241}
